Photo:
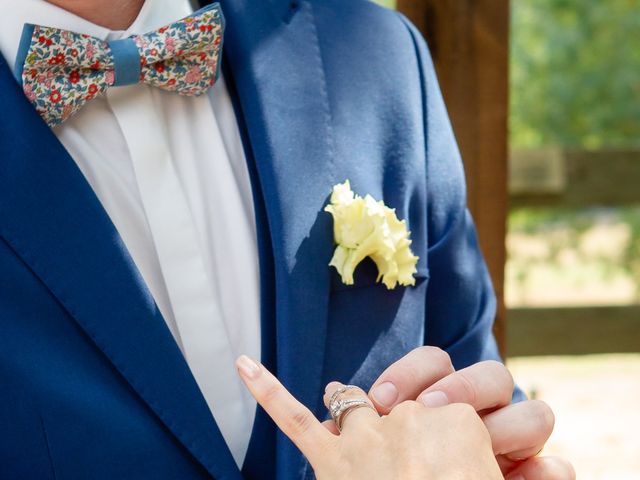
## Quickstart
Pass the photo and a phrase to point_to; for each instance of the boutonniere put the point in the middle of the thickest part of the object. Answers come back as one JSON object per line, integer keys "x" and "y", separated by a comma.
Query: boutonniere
{"x": 364, "y": 227}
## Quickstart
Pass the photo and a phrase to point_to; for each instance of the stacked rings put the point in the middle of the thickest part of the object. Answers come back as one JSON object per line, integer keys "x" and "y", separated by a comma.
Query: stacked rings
{"x": 339, "y": 408}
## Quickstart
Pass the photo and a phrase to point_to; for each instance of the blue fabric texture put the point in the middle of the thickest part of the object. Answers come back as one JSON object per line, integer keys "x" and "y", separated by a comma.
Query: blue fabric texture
{"x": 126, "y": 60}
{"x": 23, "y": 49}
{"x": 93, "y": 385}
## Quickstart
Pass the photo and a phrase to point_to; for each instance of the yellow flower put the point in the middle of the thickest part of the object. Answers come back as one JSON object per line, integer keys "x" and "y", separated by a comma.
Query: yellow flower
{"x": 363, "y": 227}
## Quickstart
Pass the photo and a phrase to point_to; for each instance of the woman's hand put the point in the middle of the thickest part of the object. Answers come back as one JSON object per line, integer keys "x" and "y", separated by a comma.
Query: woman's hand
{"x": 411, "y": 442}
{"x": 518, "y": 431}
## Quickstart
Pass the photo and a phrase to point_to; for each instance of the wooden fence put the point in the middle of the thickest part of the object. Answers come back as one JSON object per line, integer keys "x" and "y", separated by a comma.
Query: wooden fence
{"x": 469, "y": 41}
{"x": 574, "y": 179}
{"x": 573, "y": 330}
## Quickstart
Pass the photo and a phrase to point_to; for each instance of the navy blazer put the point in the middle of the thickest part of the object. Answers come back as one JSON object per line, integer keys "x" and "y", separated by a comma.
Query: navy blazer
{"x": 92, "y": 384}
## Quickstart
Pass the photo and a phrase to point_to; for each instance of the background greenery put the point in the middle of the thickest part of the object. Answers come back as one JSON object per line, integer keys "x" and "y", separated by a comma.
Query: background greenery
{"x": 575, "y": 73}
{"x": 574, "y": 83}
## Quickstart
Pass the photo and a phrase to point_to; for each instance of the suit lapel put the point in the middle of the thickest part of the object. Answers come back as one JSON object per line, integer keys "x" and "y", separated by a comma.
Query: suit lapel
{"x": 275, "y": 59}
{"x": 54, "y": 222}
{"x": 51, "y": 217}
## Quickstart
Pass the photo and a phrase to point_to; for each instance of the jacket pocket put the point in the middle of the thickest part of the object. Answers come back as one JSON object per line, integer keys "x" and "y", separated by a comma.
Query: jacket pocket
{"x": 366, "y": 276}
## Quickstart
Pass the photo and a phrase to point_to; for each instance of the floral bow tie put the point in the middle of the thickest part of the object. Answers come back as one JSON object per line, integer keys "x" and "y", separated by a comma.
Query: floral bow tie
{"x": 61, "y": 70}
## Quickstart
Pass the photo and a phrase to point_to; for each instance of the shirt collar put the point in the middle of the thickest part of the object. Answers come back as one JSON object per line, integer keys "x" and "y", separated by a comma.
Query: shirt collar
{"x": 158, "y": 13}
{"x": 13, "y": 15}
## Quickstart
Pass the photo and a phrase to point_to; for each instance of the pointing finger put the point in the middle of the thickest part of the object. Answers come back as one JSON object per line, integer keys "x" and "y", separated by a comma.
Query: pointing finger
{"x": 293, "y": 418}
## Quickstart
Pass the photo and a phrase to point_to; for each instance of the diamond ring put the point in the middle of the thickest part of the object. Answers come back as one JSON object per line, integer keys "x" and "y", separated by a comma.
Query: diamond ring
{"x": 339, "y": 407}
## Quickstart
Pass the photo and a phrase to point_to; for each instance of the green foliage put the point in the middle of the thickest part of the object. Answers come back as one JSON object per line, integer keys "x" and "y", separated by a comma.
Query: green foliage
{"x": 386, "y": 3}
{"x": 575, "y": 73}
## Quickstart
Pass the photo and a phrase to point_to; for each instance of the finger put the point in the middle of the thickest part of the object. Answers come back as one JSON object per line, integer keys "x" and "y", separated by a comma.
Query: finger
{"x": 292, "y": 417}
{"x": 519, "y": 431}
{"x": 331, "y": 426}
{"x": 355, "y": 416}
{"x": 543, "y": 468}
{"x": 406, "y": 378}
{"x": 483, "y": 385}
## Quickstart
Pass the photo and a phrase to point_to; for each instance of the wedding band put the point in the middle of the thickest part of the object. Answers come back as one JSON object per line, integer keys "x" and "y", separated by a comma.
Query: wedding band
{"x": 340, "y": 391}
{"x": 339, "y": 408}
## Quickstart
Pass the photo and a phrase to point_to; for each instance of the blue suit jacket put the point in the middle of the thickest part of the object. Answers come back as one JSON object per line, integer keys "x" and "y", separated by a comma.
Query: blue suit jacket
{"x": 92, "y": 384}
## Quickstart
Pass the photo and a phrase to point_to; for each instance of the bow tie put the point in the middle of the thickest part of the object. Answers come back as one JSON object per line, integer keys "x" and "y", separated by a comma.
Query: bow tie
{"x": 61, "y": 70}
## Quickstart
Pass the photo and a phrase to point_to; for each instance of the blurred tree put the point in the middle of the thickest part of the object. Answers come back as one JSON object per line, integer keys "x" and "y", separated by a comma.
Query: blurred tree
{"x": 575, "y": 73}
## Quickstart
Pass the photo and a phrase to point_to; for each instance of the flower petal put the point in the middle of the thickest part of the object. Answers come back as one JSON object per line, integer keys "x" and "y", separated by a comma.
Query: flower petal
{"x": 364, "y": 227}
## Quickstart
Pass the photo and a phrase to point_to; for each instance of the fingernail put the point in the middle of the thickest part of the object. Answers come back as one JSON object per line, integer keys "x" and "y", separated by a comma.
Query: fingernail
{"x": 247, "y": 367}
{"x": 435, "y": 399}
{"x": 517, "y": 476}
{"x": 385, "y": 394}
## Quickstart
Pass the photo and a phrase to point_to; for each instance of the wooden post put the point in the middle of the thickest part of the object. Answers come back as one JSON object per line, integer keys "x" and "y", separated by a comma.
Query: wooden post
{"x": 469, "y": 42}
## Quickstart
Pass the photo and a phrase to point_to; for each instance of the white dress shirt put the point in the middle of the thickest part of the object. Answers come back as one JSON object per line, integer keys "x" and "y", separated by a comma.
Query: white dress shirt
{"x": 171, "y": 173}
